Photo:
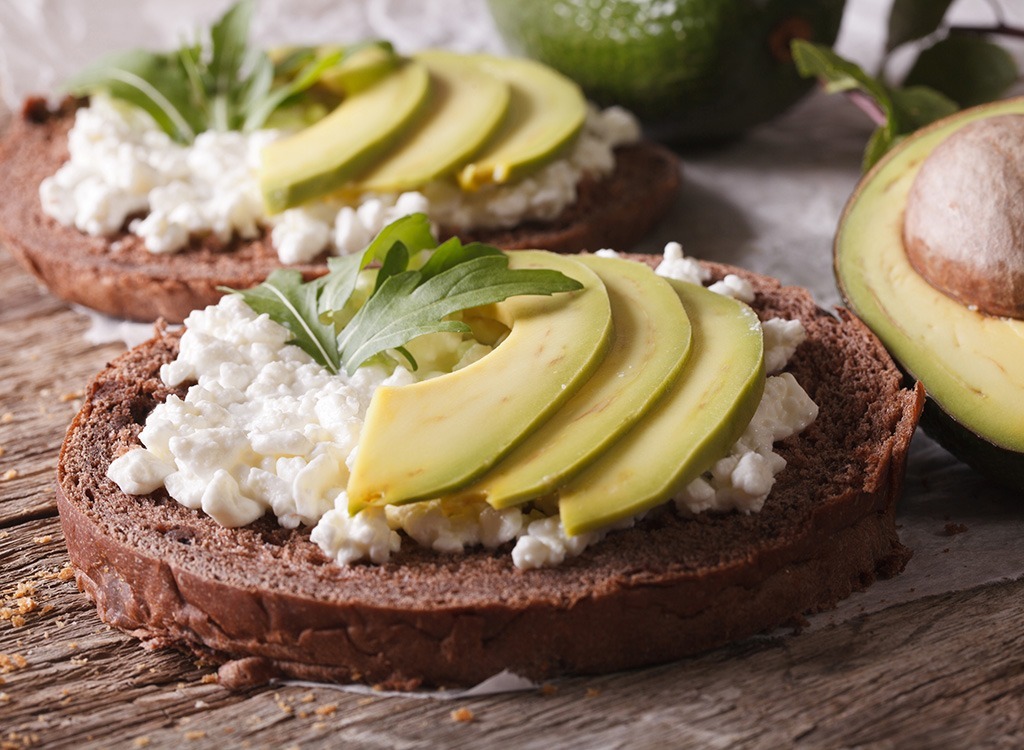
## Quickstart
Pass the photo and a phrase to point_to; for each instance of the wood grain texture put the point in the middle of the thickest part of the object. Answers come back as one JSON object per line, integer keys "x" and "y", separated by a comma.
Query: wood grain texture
{"x": 946, "y": 671}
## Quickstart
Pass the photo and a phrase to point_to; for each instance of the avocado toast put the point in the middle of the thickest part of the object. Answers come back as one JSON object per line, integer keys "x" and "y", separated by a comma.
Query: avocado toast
{"x": 267, "y": 601}
{"x": 141, "y": 207}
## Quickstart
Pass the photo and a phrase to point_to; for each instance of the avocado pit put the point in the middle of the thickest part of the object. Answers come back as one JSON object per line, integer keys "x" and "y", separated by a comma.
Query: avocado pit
{"x": 963, "y": 228}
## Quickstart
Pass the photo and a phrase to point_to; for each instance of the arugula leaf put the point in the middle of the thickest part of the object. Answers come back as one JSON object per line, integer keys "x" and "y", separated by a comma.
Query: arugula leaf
{"x": 404, "y": 304}
{"x": 407, "y": 306}
{"x": 219, "y": 82}
{"x": 292, "y": 303}
{"x": 149, "y": 81}
{"x": 412, "y": 231}
{"x": 452, "y": 252}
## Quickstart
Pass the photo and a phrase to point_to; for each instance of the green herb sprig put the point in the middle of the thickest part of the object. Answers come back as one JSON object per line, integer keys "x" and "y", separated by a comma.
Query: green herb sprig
{"x": 955, "y": 67}
{"x": 405, "y": 303}
{"x": 217, "y": 83}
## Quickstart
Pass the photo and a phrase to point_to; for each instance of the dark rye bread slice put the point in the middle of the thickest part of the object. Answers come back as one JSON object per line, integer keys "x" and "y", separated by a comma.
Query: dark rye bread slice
{"x": 267, "y": 603}
{"x": 119, "y": 277}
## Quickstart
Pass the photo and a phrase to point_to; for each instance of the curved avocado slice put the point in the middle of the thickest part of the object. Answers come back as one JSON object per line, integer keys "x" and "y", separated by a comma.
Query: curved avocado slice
{"x": 466, "y": 106}
{"x": 425, "y": 439}
{"x": 971, "y": 364}
{"x": 693, "y": 424}
{"x": 545, "y": 114}
{"x": 650, "y": 343}
{"x": 329, "y": 153}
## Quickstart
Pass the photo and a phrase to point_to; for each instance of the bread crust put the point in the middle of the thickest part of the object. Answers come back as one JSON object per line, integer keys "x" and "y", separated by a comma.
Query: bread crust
{"x": 267, "y": 603}
{"x": 119, "y": 277}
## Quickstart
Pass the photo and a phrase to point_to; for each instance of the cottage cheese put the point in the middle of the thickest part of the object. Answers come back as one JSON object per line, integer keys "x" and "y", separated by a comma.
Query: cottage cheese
{"x": 122, "y": 165}
{"x": 266, "y": 429}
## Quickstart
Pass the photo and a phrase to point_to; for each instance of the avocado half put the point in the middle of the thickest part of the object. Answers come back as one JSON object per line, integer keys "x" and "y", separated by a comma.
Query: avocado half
{"x": 971, "y": 364}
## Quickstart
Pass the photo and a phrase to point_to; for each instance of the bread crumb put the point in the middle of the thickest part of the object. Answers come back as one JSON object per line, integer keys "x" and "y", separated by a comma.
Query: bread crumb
{"x": 141, "y": 742}
{"x": 365, "y": 701}
{"x": 209, "y": 679}
{"x": 302, "y": 714}
{"x": 462, "y": 715}
{"x": 18, "y": 621}
{"x": 7, "y": 418}
{"x": 593, "y": 692}
{"x": 282, "y": 705}
{"x": 25, "y": 588}
{"x": 66, "y": 573}
{"x": 9, "y": 474}
{"x": 45, "y": 539}
{"x": 307, "y": 698}
{"x": 71, "y": 396}
{"x": 2, "y": 450}
{"x": 5, "y": 698}
{"x": 79, "y": 661}
{"x": 195, "y": 734}
{"x": 72, "y": 645}
{"x": 328, "y": 709}
{"x": 12, "y": 662}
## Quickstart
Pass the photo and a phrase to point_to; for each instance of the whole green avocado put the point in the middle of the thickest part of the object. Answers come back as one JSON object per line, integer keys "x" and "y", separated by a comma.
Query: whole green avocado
{"x": 692, "y": 70}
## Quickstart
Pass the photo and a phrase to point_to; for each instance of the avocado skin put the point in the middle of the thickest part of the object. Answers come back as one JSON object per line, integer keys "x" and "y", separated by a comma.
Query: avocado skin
{"x": 715, "y": 69}
{"x": 1001, "y": 464}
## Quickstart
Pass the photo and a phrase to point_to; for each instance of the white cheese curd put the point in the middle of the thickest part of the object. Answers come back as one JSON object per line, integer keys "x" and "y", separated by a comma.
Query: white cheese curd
{"x": 743, "y": 479}
{"x": 121, "y": 164}
{"x": 734, "y": 286}
{"x": 264, "y": 427}
{"x": 781, "y": 339}
{"x": 675, "y": 265}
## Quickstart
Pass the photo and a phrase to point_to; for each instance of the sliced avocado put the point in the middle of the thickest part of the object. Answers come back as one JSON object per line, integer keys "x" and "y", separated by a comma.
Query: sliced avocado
{"x": 426, "y": 439}
{"x": 545, "y": 114}
{"x": 650, "y": 343}
{"x": 693, "y": 424}
{"x": 324, "y": 156}
{"x": 466, "y": 106}
{"x": 971, "y": 364}
{"x": 360, "y": 68}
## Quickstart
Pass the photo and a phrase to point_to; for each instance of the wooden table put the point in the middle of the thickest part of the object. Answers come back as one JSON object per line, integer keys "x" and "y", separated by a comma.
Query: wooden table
{"x": 946, "y": 671}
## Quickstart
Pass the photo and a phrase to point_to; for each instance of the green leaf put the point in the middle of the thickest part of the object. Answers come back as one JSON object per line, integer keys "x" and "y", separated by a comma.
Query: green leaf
{"x": 395, "y": 262}
{"x": 260, "y": 108}
{"x": 837, "y": 74}
{"x": 914, "y": 19}
{"x": 900, "y": 111}
{"x": 412, "y": 231}
{"x": 154, "y": 82}
{"x": 294, "y": 304}
{"x": 229, "y": 46}
{"x": 452, "y": 252}
{"x": 217, "y": 83}
{"x": 917, "y": 106}
{"x": 407, "y": 306}
{"x": 965, "y": 68}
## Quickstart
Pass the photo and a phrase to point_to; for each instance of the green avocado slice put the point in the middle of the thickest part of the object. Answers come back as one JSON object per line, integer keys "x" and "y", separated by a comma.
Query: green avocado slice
{"x": 426, "y": 439}
{"x": 651, "y": 341}
{"x": 545, "y": 114}
{"x": 321, "y": 158}
{"x": 693, "y": 424}
{"x": 467, "y": 105}
{"x": 971, "y": 364}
